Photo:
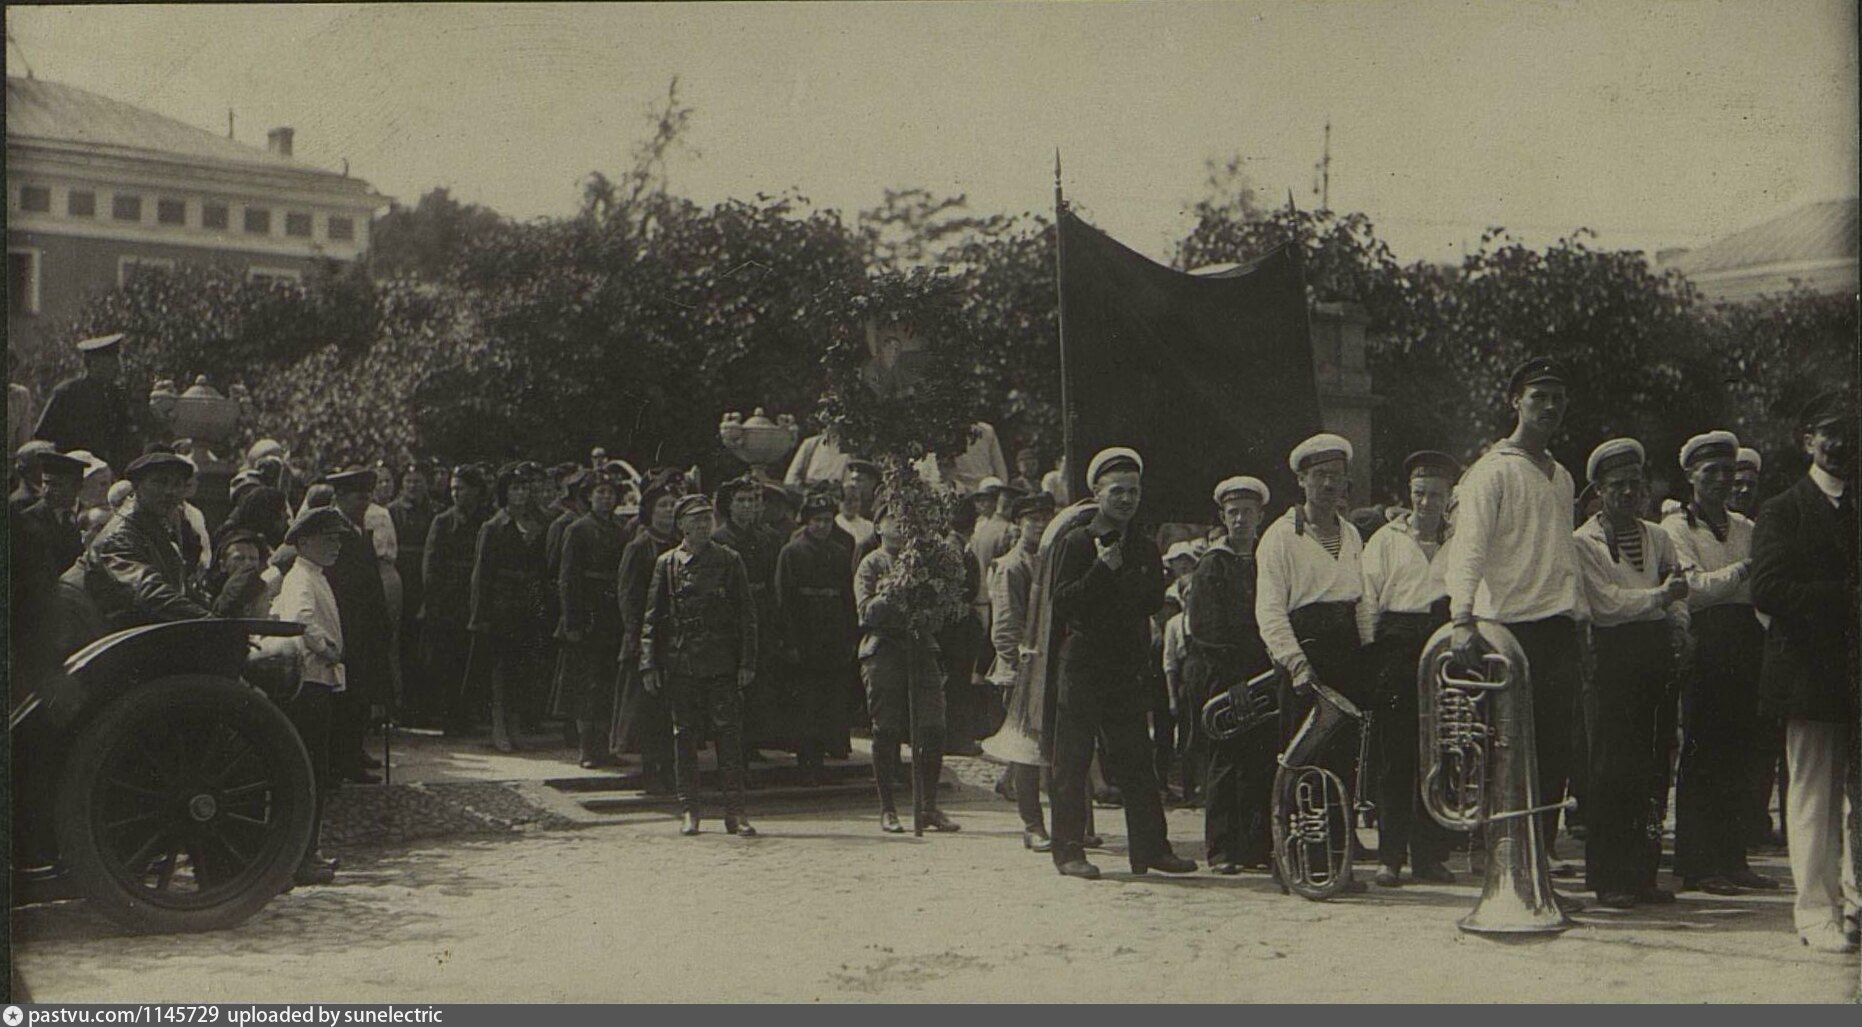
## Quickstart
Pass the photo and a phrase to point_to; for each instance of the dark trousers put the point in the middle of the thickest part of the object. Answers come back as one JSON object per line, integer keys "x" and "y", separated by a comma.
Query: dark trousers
{"x": 1403, "y": 828}
{"x": 1126, "y": 759}
{"x": 310, "y": 714}
{"x": 696, "y": 702}
{"x": 1719, "y": 721}
{"x": 1622, "y": 851}
{"x": 447, "y": 653}
{"x": 349, "y": 722}
{"x": 1238, "y": 795}
{"x": 1328, "y": 634}
{"x": 1768, "y": 771}
{"x": 1551, "y": 647}
{"x": 1026, "y": 780}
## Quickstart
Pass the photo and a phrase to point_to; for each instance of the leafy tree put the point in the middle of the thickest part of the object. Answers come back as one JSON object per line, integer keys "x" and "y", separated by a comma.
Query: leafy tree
{"x": 422, "y": 241}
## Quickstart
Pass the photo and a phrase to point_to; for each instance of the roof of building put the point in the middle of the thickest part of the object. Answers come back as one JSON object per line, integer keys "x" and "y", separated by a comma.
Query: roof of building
{"x": 41, "y": 110}
{"x": 1824, "y": 230}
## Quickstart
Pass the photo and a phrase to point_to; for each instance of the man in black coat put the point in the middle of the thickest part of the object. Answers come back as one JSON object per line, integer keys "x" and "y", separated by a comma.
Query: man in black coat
{"x": 446, "y": 598}
{"x": 1804, "y": 576}
{"x": 92, "y": 411}
{"x": 355, "y": 578}
{"x": 1108, "y": 581}
{"x": 817, "y": 632}
{"x": 43, "y": 541}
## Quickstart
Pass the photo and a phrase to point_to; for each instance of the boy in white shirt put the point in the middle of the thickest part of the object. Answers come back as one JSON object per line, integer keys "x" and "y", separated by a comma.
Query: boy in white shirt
{"x": 304, "y": 596}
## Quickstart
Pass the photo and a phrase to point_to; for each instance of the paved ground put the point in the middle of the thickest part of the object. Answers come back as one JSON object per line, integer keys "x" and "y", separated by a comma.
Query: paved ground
{"x": 826, "y": 908}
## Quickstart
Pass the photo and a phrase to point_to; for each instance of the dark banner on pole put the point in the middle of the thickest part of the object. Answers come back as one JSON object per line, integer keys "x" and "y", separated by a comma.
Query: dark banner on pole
{"x": 1205, "y": 375}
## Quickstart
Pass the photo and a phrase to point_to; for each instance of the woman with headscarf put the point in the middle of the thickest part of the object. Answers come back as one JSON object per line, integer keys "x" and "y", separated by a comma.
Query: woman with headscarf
{"x": 642, "y": 723}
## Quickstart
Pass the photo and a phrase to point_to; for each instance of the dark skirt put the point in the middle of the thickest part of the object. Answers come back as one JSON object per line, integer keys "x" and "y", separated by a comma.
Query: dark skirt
{"x": 642, "y": 723}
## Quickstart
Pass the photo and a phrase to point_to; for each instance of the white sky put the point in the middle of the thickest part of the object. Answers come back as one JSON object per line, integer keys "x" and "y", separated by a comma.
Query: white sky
{"x": 1656, "y": 124}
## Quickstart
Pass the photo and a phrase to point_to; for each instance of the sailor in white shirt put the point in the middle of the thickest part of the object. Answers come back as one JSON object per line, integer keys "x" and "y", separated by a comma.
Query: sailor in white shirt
{"x": 1513, "y": 563}
{"x": 1405, "y": 600}
{"x": 1720, "y": 709}
{"x": 1307, "y": 586}
{"x": 1637, "y": 595}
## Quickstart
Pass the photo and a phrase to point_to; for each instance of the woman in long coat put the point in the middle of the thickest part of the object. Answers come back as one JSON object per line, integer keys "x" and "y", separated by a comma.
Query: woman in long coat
{"x": 817, "y": 632}
{"x": 590, "y": 628}
{"x": 642, "y": 723}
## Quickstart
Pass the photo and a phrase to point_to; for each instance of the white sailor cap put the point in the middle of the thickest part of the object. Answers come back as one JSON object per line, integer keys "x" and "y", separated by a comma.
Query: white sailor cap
{"x": 1114, "y": 458}
{"x": 1318, "y": 449}
{"x": 1749, "y": 457}
{"x": 1712, "y": 445}
{"x": 1177, "y": 549}
{"x": 1242, "y": 483}
{"x": 1613, "y": 454}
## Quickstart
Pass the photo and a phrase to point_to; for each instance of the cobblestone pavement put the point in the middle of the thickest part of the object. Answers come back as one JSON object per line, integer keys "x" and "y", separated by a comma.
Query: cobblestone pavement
{"x": 826, "y": 908}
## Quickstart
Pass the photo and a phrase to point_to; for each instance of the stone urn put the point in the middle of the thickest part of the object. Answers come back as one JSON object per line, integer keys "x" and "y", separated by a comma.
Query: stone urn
{"x": 757, "y": 440}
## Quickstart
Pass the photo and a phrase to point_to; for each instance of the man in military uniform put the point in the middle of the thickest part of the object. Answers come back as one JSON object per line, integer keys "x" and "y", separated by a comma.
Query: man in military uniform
{"x": 92, "y": 411}
{"x": 44, "y": 541}
{"x": 413, "y": 513}
{"x": 355, "y": 577}
{"x": 698, "y": 648}
{"x": 133, "y": 570}
{"x": 817, "y": 633}
{"x": 446, "y": 600}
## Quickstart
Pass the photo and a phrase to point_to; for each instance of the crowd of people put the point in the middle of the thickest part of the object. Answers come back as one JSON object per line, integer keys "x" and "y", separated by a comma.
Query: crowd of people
{"x": 1695, "y": 645}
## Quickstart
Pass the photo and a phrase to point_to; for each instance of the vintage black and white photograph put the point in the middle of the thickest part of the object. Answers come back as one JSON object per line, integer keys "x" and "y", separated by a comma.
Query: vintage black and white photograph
{"x": 1247, "y": 501}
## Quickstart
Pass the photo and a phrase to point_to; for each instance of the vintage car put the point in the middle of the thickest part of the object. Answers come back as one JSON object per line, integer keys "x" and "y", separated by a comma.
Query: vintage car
{"x": 155, "y": 779}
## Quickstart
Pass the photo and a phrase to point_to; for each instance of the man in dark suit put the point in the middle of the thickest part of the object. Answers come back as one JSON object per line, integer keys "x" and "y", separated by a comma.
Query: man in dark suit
{"x": 1804, "y": 577}
{"x": 1108, "y": 581}
{"x": 92, "y": 411}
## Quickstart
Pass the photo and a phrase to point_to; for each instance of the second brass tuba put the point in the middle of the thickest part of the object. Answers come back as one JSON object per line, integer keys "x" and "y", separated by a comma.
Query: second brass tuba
{"x": 1312, "y": 814}
{"x": 1479, "y": 769}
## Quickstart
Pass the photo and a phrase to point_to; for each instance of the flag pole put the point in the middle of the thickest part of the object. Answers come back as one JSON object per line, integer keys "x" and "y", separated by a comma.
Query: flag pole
{"x": 1068, "y": 457}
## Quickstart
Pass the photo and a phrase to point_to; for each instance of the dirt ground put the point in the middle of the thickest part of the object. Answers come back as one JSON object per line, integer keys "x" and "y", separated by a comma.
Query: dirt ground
{"x": 826, "y": 908}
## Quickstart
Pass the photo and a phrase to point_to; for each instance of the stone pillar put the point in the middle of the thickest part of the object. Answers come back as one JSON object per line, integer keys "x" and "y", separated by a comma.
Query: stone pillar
{"x": 1345, "y": 399}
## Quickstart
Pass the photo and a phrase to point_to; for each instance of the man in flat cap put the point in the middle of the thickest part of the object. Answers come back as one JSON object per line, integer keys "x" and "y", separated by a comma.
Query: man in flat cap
{"x": 1636, "y": 594}
{"x": 1804, "y": 577}
{"x": 1513, "y": 563}
{"x": 1237, "y": 774}
{"x": 1405, "y": 600}
{"x": 817, "y": 631}
{"x": 43, "y": 541}
{"x": 133, "y": 569}
{"x": 698, "y": 648}
{"x": 1011, "y": 586}
{"x": 1108, "y": 581}
{"x": 307, "y": 597}
{"x": 28, "y": 476}
{"x": 92, "y": 411}
{"x": 446, "y": 599}
{"x": 1720, "y": 704}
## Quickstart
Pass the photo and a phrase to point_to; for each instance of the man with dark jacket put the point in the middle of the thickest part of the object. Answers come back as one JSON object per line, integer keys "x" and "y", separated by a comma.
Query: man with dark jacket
{"x": 413, "y": 512}
{"x": 92, "y": 411}
{"x": 446, "y": 597}
{"x": 43, "y": 542}
{"x": 510, "y": 602}
{"x": 355, "y": 578}
{"x": 133, "y": 570}
{"x": 1804, "y": 577}
{"x": 1108, "y": 581}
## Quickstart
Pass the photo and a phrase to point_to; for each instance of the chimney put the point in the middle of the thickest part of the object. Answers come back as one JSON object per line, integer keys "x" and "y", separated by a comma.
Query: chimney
{"x": 278, "y": 141}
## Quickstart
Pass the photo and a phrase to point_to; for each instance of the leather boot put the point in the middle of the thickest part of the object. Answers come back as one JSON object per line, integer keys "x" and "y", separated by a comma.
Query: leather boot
{"x": 500, "y": 728}
{"x": 933, "y": 755}
{"x": 885, "y": 765}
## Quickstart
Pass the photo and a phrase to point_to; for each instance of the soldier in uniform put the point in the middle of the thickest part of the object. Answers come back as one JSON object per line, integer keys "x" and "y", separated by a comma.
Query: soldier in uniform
{"x": 1239, "y": 773}
{"x": 817, "y": 631}
{"x": 739, "y": 506}
{"x": 92, "y": 411}
{"x": 590, "y": 629}
{"x": 641, "y": 721}
{"x": 368, "y": 632}
{"x": 698, "y": 650}
{"x": 509, "y": 604}
{"x": 446, "y": 599}
{"x": 412, "y": 513}
{"x": 43, "y": 543}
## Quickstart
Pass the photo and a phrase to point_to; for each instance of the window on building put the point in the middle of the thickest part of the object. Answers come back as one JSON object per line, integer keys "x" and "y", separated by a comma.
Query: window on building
{"x": 213, "y": 215}
{"x": 273, "y": 275}
{"x": 126, "y": 208}
{"x": 258, "y": 221}
{"x": 297, "y": 224}
{"x": 127, "y": 268}
{"x": 35, "y": 198}
{"x": 22, "y": 280}
{"x": 342, "y": 229}
{"x": 81, "y": 203}
{"x": 171, "y": 212}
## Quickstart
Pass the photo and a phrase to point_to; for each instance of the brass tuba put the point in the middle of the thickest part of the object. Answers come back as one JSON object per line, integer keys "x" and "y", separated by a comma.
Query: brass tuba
{"x": 1243, "y": 707}
{"x": 1479, "y": 768}
{"x": 1312, "y": 815}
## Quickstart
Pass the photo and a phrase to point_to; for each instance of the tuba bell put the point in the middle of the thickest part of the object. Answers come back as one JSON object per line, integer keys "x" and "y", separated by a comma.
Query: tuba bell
{"x": 1243, "y": 707}
{"x": 1312, "y": 814}
{"x": 1479, "y": 768}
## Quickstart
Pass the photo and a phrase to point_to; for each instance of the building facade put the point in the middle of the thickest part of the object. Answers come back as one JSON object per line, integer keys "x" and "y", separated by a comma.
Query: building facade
{"x": 98, "y": 189}
{"x": 1812, "y": 247}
